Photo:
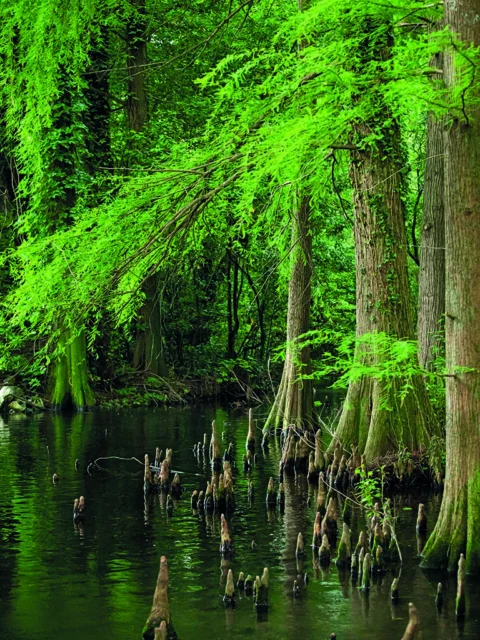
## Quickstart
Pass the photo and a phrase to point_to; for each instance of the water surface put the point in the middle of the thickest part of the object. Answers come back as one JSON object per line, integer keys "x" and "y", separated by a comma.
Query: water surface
{"x": 64, "y": 583}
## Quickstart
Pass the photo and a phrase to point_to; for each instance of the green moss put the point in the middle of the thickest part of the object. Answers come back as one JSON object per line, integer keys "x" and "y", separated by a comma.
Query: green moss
{"x": 473, "y": 525}
{"x": 69, "y": 375}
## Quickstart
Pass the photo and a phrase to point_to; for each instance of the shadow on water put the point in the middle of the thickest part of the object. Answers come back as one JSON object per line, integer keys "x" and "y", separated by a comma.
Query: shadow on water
{"x": 61, "y": 581}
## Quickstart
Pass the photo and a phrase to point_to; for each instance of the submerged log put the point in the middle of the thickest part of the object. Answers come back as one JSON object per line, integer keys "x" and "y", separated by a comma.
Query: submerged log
{"x": 413, "y": 625}
{"x": 160, "y": 611}
{"x": 250, "y": 444}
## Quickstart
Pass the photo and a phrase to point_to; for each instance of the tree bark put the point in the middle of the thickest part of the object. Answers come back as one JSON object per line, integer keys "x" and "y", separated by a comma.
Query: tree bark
{"x": 69, "y": 377}
{"x": 294, "y": 399}
{"x": 458, "y": 524}
{"x": 431, "y": 276}
{"x": 148, "y": 350}
{"x": 137, "y": 106}
{"x": 375, "y": 415}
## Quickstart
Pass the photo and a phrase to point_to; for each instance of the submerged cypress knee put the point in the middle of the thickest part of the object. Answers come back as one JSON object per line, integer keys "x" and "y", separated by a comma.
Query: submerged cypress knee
{"x": 413, "y": 625}
{"x": 241, "y": 581}
{"x": 281, "y": 497}
{"x": 439, "y": 597}
{"x": 460, "y": 599}
{"x": 344, "y": 548}
{"x": 79, "y": 509}
{"x": 421, "y": 519}
{"x": 321, "y": 494}
{"x": 250, "y": 444}
{"x": 226, "y": 545}
{"x": 329, "y": 522}
{"x": 271, "y": 494}
{"x": 248, "y": 585}
{"x": 176, "y": 486}
{"x": 394, "y": 590}
{"x": 301, "y": 455}
{"x": 194, "y": 499}
{"x": 160, "y": 611}
{"x": 215, "y": 451}
{"x": 317, "y": 533}
{"x": 147, "y": 475}
{"x": 324, "y": 553}
{"x": 367, "y": 565}
{"x": 261, "y": 590}
{"x": 300, "y": 552}
{"x": 161, "y": 631}
{"x": 229, "y": 597}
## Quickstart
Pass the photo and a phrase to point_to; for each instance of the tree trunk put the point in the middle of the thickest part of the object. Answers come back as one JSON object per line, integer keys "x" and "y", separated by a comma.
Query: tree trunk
{"x": 458, "y": 524}
{"x": 376, "y": 415}
{"x": 69, "y": 372}
{"x": 69, "y": 381}
{"x": 148, "y": 354}
{"x": 294, "y": 399}
{"x": 148, "y": 350}
{"x": 431, "y": 277}
{"x": 137, "y": 106}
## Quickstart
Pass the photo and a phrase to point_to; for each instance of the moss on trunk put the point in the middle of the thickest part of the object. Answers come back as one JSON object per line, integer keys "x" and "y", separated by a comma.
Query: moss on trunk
{"x": 294, "y": 399}
{"x": 69, "y": 375}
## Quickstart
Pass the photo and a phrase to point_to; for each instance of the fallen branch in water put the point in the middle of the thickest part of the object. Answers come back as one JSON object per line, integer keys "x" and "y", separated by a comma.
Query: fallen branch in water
{"x": 152, "y": 466}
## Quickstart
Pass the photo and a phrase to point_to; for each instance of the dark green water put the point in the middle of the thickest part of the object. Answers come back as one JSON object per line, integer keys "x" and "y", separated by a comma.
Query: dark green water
{"x": 59, "y": 582}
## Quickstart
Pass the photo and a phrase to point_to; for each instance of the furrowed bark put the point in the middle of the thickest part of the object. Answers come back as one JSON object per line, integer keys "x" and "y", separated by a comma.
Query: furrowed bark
{"x": 458, "y": 523}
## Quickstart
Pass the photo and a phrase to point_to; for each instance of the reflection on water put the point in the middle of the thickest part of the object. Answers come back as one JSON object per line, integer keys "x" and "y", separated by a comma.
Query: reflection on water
{"x": 96, "y": 580}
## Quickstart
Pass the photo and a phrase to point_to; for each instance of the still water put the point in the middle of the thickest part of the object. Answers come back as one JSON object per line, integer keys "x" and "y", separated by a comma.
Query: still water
{"x": 59, "y": 582}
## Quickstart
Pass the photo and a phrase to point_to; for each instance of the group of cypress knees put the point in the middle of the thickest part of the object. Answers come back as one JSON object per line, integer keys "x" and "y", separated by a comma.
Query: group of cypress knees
{"x": 372, "y": 552}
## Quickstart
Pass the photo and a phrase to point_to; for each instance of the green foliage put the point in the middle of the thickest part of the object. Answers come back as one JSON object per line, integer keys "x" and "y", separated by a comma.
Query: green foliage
{"x": 244, "y": 113}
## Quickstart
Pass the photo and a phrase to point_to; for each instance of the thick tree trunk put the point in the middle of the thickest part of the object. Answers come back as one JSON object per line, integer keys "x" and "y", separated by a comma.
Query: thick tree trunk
{"x": 294, "y": 400}
{"x": 376, "y": 415}
{"x": 431, "y": 277}
{"x": 69, "y": 381}
{"x": 137, "y": 106}
{"x": 149, "y": 354}
{"x": 458, "y": 525}
{"x": 69, "y": 372}
{"x": 148, "y": 351}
